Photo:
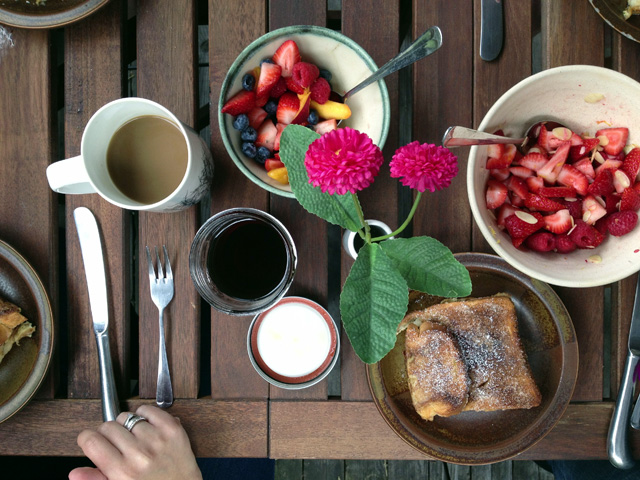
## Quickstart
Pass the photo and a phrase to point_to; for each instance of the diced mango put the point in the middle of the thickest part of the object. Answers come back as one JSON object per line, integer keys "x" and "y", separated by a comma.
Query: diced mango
{"x": 331, "y": 109}
{"x": 280, "y": 175}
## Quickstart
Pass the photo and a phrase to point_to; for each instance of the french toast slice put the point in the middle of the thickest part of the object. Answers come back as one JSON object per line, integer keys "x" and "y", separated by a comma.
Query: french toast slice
{"x": 436, "y": 371}
{"x": 13, "y": 327}
{"x": 487, "y": 334}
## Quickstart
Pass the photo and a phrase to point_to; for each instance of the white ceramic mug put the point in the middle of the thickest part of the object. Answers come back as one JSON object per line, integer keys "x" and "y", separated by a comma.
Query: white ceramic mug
{"x": 88, "y": 173}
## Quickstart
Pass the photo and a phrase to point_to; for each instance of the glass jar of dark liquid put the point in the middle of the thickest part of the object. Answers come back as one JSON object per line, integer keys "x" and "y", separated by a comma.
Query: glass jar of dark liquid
{"x": 242, "y": 261}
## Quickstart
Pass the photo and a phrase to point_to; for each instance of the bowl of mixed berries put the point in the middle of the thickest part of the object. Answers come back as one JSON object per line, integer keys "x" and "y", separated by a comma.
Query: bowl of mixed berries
{"x": 295, "y": 75}
{"x": 563, "y": 206}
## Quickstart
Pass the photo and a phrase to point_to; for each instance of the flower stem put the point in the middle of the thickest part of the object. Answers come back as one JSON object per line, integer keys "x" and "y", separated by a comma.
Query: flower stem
{"x": 406, "y": 222}
{"x": 366, "y": 235}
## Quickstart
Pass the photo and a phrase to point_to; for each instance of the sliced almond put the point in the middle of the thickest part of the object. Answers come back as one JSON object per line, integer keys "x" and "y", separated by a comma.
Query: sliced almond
{"x": 598, "y": 157}
{"x": 586, "y": 215}
{"x": 562, "y": 133}
{"x": 604, "y": 140}
{"x": 621, "y": 180}
{"x": 526, "y": 217}
{"x": 600, "y": 201}
{"x": 593, "y": 97}
{"x": 594, "y": 259}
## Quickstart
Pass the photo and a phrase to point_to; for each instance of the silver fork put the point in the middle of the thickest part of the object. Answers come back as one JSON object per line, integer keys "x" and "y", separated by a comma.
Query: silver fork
{"x": 161, "y": 287}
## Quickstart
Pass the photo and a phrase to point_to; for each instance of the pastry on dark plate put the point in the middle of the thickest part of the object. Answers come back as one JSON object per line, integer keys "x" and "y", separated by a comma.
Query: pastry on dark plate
{"x": 13, "y": 327}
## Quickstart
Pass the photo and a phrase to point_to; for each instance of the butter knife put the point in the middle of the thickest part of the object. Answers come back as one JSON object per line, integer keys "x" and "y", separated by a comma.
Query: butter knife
{"x": 91, "y": 248}
{"x": 491, "y": 29}
{"x": 617, "y": 444}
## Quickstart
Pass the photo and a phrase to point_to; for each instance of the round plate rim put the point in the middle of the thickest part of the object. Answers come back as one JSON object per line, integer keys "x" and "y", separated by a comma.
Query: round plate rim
{"x": 53, "y": 20}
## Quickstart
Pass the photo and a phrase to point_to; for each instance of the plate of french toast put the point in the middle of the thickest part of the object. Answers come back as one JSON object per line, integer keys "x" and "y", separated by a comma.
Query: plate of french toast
{"x": 480, "y": 379}
{"x": 26, "y": 331}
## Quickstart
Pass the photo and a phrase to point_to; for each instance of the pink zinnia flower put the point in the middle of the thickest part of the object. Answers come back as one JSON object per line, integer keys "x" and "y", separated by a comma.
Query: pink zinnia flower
{"x": 343, "y": 160}
{"x": 424, "y": 167}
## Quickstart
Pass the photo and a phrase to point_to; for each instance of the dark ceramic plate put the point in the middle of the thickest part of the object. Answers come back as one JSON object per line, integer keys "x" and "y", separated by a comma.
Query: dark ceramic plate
{"x": 24, "y": 367}
{"x": 54, "y": 13}
{"x": 611, "y": 12}
{"x": 475, "y": 438}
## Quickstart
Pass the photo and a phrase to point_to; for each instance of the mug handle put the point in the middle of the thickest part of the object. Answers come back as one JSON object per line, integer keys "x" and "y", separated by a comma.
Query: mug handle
{"x": 69, "y": 176}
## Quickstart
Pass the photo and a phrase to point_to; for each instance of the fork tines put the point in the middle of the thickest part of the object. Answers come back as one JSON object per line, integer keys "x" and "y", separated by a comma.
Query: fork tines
{"x": 161, "y": 274}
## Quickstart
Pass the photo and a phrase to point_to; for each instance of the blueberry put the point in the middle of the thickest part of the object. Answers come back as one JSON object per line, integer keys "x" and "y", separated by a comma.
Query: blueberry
{"x": 262, "y": 154}
{"x": 266, "y": 60}
{"x": 248, "y": 82}
{"x": 326, "y": 74}
{"x": 313, "y": 118}
{"x": 241, "y": 122}
{"x": 271, "y": 107}
{"x": 249, "y": 149}
{"x": 249, "y": 134}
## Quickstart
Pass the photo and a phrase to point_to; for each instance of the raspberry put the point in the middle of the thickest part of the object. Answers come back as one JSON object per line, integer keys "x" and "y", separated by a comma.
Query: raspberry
{"x": 611, "y": 203}
{"x": 320, "y": 91}
{"x": 622, "y": 223}
{"x": 293, "y": 86}
{"x": 586, "y": 236}
{"x": 541, "y": 242}
{"x": 279, "y": 88}
{"x": 304, "y": 74}
{"x": 574, "y": 207}
{"x": 564, "y": 244}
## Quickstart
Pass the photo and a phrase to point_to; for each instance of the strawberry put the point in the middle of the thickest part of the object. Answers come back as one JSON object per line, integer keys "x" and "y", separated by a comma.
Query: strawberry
{"x": 617, "y": 139}
{"x": 498, "y": 163}
{"x": 585, "y": 236}
{"x": 609, "y": 164}
{"x": 622, "y": 223}
{"x": 592, "y": 210}
{"x": 559, "y": 222}
{"x": 521, "y": 172}
{"x": 303, "y": 110}
{"x": 580, "y": 151}
{"x": 534, "y": 160}
{"x": 270, "y": 73}
{"x": 273, "y": 163}
{"x": 496, "y": 194}
{"x": 541, "y": 204}
{"x": 629, "y": 200}
{"x": 516, "y": 200}
{"x": 585, "y": 167}
{"x": 320, "y": 90}
{"x": 522, "y": 224}
{"x": 574, "y": 207}
{"x": 499, "y": 173}
{"x": 294, "y": 87}
{"x": 570, "y": 176}
{"x": 541, "y": 242}
{"x": 495, "y": 151}
{"x": 603, "y": 183}
{"x": 256, "y": 117}
{"x": 241, "y": 102}
{"x": 505, "y": 211}
{"x": 558, "y": 192}
{"x": 631, "y": 163}
{"x": 288, "y": 108}
{"x": 276, "y": 141}
{"x": 517, "y": 186}
{"x": 534, "y": 184}
{"x": 543, "y": 138}
{"x": 612, "y": 202}
{"x": 304, "y": 74}
{"x": 564, "y": 244}
{"x": 510, "y": 152}
{"x": 326, "y": 126}
{"x": 552, "y": 168}
{"x": 286, "y": 56}
{"x": 266, "y": 135}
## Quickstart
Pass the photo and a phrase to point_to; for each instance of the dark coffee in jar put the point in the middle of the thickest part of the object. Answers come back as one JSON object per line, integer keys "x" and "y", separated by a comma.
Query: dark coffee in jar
{"x": 147, "y": 158}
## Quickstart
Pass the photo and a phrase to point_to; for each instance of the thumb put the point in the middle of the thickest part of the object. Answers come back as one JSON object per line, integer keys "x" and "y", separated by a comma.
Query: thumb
{"x": 86, "y": 473}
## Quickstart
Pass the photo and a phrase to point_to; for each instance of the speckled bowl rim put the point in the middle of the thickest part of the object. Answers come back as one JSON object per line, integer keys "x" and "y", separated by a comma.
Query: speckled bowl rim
{"x": 238, "y": 66}
{"x": 56, "y": 19}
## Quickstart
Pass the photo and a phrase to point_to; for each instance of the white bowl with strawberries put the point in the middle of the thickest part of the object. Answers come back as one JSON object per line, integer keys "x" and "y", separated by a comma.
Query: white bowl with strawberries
{"x": 563, "y": 208}
{"x": 286, "y": 77}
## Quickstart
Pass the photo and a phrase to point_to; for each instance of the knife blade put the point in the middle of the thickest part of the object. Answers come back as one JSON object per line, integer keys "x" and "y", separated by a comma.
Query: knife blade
{"x": 91, "y": 247}
{"x": 491, "y": 29}
{"x": 618, "y": 446}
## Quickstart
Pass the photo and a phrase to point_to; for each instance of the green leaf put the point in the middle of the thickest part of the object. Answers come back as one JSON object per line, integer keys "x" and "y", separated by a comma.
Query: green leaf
{"x": 428, "y": 266}
{"x": 373, "y": 302}
{"x": 336, "y": 209}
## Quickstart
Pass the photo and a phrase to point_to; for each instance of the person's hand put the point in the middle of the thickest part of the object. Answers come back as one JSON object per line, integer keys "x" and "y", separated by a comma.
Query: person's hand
{"x": 156, "y": 449}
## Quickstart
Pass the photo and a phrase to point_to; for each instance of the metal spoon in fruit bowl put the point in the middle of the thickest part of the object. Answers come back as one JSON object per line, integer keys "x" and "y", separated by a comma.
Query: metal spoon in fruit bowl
{"x": 462, "y": 136}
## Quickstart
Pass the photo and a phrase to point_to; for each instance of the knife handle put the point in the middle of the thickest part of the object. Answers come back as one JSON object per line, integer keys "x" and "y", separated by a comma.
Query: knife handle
{"x": 110, "y": 408}
{"x": 618, "y": 445}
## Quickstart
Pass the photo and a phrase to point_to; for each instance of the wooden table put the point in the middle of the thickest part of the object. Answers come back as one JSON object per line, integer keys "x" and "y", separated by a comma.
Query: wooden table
{"x": 53, "y": 81}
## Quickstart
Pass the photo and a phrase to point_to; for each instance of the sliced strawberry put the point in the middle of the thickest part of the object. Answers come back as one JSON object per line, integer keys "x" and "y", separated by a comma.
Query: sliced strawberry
{"x": 552, "y": 168}
{"x": 559, "y": 222}
{"x": 558, "y": 192}
{"x": 286, "y": 56}
{"x": 603, "y": 183}
{"x": 276, "y": 141}
{"x": 592, "y": 210}
{"x": 585, "y": 236}
{"x": 541, "y": 204}
{"x": 498, "y": 163}
{"x": 270, "y": 73}
{"x": 579, "y": 151}
{"x": 541, "y": 242}
{"x": 617, "y": 139}
{"x": 496, "y": 194}
{"x": 534, "y": 184}
{"x": 500, "y": 173}
{"x": 612, "y": 202}
{"x": 522, "y": 224}
{"x": 569, "y": 176}
{"x": 504, "y": 211}
{"x": 495, "y": 151}
{"x": 629, "y": 200}
{"x": 303, "y": 110}
{"x": 534, "y": 160}
{"x": 256, "y": 117}
{"x": 521, "y": 172}
{"x": 517, "y": 186}
{"x": 288, "y": 108}
{"x": 631, "y": 164}
{"x": 585, "y": 167}
{"x": 516, "y": 200}
{"x": 609, "y": 164}
{"x": 272, "y": 163}
{"x": 267, "y": 135}
{"x": 543, "y": 138}
{"x": 326, "y": 126}
{"x": 279, "y": 88}
{"x": 241, "y": 102}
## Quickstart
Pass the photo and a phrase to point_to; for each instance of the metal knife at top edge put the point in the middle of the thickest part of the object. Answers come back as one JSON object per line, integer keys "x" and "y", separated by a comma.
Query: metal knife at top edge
{"x": 92, "y": 257}
{"x": 618, "y": 447}
{"x": 491, "y": 29}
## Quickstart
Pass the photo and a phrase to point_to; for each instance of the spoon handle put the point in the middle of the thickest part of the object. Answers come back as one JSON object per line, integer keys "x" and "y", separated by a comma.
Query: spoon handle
{"x": 424, "y": 45}
{"x": 462, "y": 137}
